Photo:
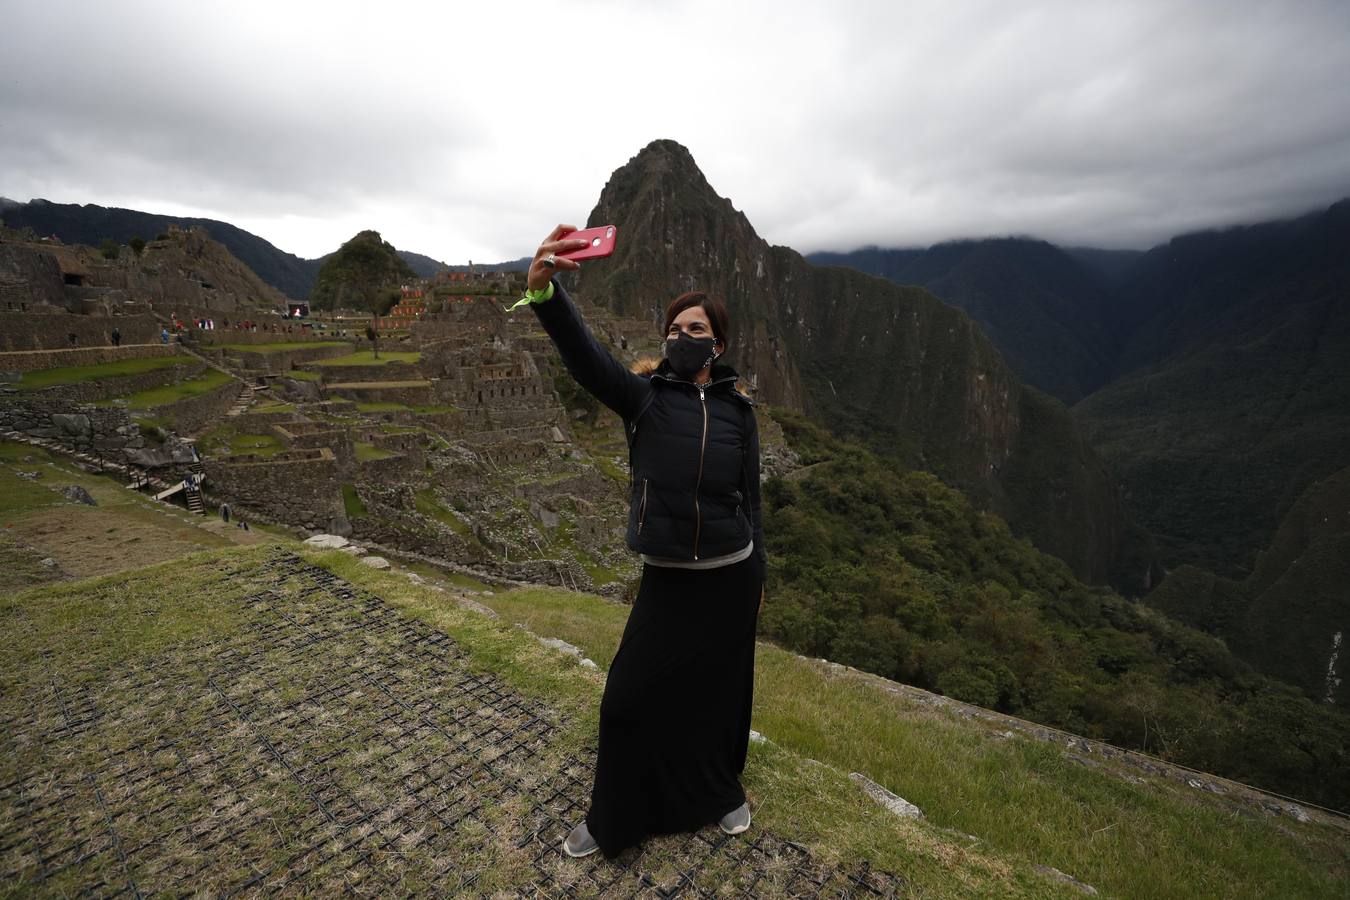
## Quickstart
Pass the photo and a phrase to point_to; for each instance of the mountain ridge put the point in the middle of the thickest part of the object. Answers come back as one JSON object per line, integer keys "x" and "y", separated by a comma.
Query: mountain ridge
{"x": 90, "y": 223}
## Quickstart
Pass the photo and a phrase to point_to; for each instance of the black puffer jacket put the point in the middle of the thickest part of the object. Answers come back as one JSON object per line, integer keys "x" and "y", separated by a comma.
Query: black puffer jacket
{"x": 694, "y": 450}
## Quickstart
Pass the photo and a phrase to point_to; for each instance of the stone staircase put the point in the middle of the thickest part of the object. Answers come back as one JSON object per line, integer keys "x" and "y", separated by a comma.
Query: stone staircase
{"x": 193, "y": 496}
{"x": 244, "y": 401}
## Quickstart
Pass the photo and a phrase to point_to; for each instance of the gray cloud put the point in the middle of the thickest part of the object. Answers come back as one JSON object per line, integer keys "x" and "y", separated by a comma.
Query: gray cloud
{"x": 468, "y": 133}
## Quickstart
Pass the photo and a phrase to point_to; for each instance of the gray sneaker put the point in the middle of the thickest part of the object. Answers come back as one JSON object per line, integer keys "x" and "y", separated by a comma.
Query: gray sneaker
{"x": 737, "y": 820}
{"x": 579, "y": 842}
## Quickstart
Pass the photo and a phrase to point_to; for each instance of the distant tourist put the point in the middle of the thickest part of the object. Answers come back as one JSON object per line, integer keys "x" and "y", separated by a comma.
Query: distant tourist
{"x": 164, "y": 335}
{"x": 73, "y": 338}
{"x": 675, "y": 717}
{"x": 116, "y": 337}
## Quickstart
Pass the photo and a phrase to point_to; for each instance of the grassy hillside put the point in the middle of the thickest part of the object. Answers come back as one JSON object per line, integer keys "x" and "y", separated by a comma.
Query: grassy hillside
{"x": 1127, "y": 835}
{"x": 894, "y": 572}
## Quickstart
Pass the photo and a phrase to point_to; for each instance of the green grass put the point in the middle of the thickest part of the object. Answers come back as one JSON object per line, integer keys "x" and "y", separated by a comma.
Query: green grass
{"x": 1022, "y": 797}
{"x": 123, "y": 530}
{"x": 455, "y": 579}
{"x": 367, "y": 452}
{"x": 428, "y": 504}
{"x": 172, "y": 393}
{"x": 228, "y": 440}
{"x": 402, "y": 407}
{"x": 20, "y": 495}
{"x": 280, "y": 347}
{"x": 114, "y": 617}
{"x": 46, "y": 378}
{"x": 21, "y": 566}
{"x": 274, "y": 407}
{"x": 367, "y": 358}
{"x": 351, "y": 502}
{"x": 304, "y": 375}
{"x": 151, "y": 424}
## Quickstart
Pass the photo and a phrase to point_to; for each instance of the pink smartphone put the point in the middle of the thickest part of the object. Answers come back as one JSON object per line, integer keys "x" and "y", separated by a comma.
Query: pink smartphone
{"x": 601, "y": 244}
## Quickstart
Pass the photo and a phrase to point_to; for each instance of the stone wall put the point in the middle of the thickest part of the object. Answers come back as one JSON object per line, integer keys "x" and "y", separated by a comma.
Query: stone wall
{"x": 262, "y": 421}
{"x": 448, "y": 423}
{"x": 122, "y": 385}
{"x": 511, "y": 435}
{"x": 280, "y": 362}
{"x": 29, "y": 278}
{"x": 485, "y": 419}
{"x": 394, "y": 371}
{"x": 407, "y": 442}
{"x": 521, "y": 390}
{"x": 36, "y": 360}
{"x": 222, "y": 335}
{"x": 102, "y": 428}
{"x": 49, "y": 330}
{"x": 412, "y": 393}
{"x": 512, "y": 453}
{"x": 300, "y": 487}
{"x": 313, "y": 435}
{"x": 400, "y": 467}
{"x": 192, "y": 414}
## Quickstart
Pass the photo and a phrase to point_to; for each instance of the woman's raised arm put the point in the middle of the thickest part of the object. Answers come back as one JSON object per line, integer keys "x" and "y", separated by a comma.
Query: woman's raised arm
{"x": 589, "y": 362}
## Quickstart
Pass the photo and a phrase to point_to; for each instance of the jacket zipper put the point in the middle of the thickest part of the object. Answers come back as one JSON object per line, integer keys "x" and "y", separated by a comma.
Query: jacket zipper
{"x": 702, "y": 448}
{"x": 642, "y": 510}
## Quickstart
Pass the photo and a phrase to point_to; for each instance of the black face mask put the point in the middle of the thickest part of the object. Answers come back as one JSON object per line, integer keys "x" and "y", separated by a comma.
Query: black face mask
{"x": 690, "y": 355}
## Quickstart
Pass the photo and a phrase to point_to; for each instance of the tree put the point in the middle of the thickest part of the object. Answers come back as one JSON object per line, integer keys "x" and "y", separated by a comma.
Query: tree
{"x": 137, "y": 245}
{"x": 109, "y": 248}
{"x": 374, "y": 337}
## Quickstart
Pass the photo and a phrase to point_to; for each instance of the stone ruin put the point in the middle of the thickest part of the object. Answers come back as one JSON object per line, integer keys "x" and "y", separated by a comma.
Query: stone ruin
{"x": 453, "y": 445}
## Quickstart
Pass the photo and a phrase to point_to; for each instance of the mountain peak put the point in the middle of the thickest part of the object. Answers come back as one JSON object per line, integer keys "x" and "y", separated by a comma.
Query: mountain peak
{"x": 667, "y": 150}
{"x": 363, "y": 274}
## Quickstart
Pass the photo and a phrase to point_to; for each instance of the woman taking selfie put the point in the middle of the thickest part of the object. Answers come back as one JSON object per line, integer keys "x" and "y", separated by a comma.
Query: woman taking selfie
{"x": 675, "y": 717}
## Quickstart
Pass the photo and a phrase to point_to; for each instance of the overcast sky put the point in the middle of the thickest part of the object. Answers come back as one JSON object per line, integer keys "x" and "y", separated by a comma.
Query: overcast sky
{"x": 466, "y": 130}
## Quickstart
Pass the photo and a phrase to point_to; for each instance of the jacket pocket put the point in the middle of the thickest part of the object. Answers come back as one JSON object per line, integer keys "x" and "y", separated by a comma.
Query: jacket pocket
{"x": 642, "y": 507}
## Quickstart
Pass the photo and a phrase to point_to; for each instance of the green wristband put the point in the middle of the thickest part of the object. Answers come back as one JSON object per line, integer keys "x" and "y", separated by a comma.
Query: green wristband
{"x": 540, "y": 296}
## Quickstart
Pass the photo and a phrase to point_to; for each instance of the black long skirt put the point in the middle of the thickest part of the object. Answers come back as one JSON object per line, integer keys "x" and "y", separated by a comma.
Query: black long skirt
{"x": 675, "y": 717}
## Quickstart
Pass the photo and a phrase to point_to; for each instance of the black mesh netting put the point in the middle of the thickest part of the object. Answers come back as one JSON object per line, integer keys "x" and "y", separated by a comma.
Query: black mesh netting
{"x": 329, "y": 745}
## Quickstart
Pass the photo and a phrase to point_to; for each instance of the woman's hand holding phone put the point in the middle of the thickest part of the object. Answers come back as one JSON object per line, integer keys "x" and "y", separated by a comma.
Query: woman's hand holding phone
{"x": 547, "y": 261}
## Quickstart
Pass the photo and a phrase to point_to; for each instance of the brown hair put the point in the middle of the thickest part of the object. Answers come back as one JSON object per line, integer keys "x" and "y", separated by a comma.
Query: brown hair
{"x": 715, "y": 309}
